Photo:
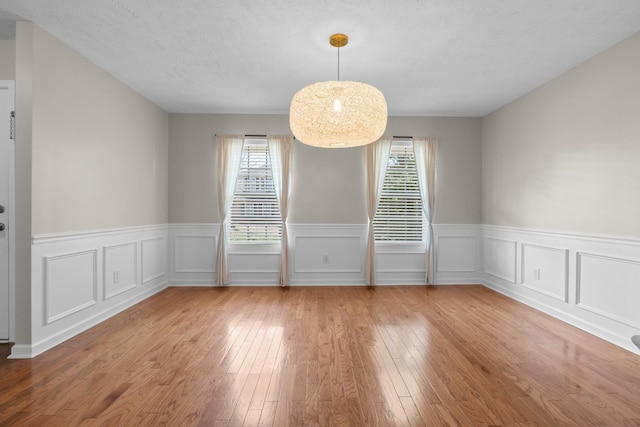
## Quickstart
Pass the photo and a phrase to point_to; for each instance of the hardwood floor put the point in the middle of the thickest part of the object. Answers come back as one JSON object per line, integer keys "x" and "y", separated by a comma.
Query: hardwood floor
{"x": 456, "y": 355}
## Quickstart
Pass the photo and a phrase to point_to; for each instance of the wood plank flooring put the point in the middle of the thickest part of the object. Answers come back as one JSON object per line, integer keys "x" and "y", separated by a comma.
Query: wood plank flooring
{"x": 344, "y": 356}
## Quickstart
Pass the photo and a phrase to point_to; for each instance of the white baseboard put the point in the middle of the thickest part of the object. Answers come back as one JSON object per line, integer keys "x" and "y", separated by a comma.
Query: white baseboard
{"x": 30, "y": 351}
{"x": 193, "y": 284}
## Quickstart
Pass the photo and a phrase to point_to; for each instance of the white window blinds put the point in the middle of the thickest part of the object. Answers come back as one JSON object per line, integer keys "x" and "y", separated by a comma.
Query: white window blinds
{"x": 255, "y": 216}
{"x": 399, "y": 215}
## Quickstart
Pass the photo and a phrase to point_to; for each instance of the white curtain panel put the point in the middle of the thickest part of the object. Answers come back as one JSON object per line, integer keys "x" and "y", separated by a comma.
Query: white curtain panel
{"x": 229, "y": 155}
{"x": 376, "y": 158}
{"x": 424, "y": 150}
{"x": 280, "y": 153}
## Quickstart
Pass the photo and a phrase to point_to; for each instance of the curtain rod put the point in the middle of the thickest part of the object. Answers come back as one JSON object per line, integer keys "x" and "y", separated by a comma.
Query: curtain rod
{"x": 264, "y": 136}
{"x": 252, "y": 136}
{"x": 248, "y": 136}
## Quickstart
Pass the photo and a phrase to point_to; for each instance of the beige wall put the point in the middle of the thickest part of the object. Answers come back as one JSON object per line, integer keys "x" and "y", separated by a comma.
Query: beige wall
{"x": 22, "y": 226}
{"x": 90, "y": 153}
{"x": 99, "y": 148}
{"x": 566, "y": 156}
{"x": 7, "y": 59}
{"x": 328, "y": 184}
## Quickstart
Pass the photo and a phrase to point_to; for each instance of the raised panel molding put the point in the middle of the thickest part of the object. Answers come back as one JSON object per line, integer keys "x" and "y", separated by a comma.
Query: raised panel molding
{"x": 590, "y": 282}
{"x": 545, "y": 269}
{"x": 400, "y": 262}
{"x": 120, "y": 268}
{"x": 500, "y": 257}
{"x": 458, "y": 255}
{"x": 608, "y": 286}
{"x": 73, "y": 285}
{"x": 600, "y": 280}
{"x": 254, "y": 262}
{"x": 344, "y": 245}
{"x": 195, "y": 254}
{"x": 70, "y": 284}
{"x": 193, "y": 249}
{"x": 154, "y": 255}
{"x": 342, "y": 252}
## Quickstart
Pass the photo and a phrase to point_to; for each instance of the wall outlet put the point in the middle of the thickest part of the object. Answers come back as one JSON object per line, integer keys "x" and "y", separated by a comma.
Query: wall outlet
{"x": 536, "y": 273}
{"x": 116, "y": 276}
{"x": 325, "y": 259}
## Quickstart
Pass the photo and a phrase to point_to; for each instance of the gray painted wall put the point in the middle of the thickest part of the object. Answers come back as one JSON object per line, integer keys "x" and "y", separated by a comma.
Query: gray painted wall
{"x": 565, "y": 156}
{"x": 99, "y": 148}
{"x": 7, "y": 59}
{"x": 328, "y": 184}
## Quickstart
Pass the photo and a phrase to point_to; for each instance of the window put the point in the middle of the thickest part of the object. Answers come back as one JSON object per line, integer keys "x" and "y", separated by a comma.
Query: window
{"x": 255, "y": 216}
{"x": 399, "y": 215}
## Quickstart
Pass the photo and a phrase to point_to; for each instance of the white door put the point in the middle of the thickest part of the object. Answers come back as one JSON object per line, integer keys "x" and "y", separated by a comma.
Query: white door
{"x": 6, "y": 154}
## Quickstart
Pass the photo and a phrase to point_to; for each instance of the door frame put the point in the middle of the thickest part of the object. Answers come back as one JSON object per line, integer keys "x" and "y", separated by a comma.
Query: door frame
{"x": 10, "y": 85}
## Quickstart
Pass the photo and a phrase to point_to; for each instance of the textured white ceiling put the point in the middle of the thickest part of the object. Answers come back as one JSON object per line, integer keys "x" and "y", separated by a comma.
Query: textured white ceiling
{"x": 429, "y": 57}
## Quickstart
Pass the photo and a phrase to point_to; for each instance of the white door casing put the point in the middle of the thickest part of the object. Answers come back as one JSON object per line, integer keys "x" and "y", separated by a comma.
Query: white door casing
{"x": 6, "y": 215}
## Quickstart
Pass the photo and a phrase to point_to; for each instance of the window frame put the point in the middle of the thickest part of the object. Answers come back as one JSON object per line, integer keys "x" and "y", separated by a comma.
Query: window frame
{"x": 242, "y": 174}
{"x": 417, "y": 244}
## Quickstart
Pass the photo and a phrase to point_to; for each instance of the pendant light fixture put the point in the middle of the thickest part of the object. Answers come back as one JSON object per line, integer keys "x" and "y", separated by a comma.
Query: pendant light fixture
{"x": 336, "y": 114}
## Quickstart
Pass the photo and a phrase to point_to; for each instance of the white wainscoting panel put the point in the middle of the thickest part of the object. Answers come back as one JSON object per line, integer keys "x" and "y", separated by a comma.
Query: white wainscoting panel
{"x": 500, "y": 257}
{"x": 338, "y": 254}
{"x": 458, "y": 257}
{"x": 192, "y": 254}
{"x": 546, "y": 270}
{"x": 81, "y": 279}
{"x": 254, "y": 264}
{"x": 193, "y": 251}
{"x": 120, "y": 268}
{"x": 195, "y": 254}
{"x": 324, "y": 254}
{"x": 335, "y": 254}
{"x": 588, "y": 281}
{"x": 400, "y": 265}
{"x": 70, "y": 283}
{"x": 609, "y": 287}
{"x": 321, "y": 254}
{"x": 456, "y": 254}
{"x": 154, "y": 258}
{"x": 400, "y": 262}
{"x": 591, "y": 282}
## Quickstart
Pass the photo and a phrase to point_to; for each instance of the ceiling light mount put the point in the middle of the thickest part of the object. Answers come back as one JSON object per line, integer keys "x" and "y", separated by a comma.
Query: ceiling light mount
{"x": 338, "y": 40}
{"x": 337, "y": 114}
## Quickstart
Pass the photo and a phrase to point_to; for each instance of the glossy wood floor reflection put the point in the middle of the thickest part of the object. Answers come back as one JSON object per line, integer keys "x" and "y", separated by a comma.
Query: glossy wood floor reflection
{"x": 356, "y": 356}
